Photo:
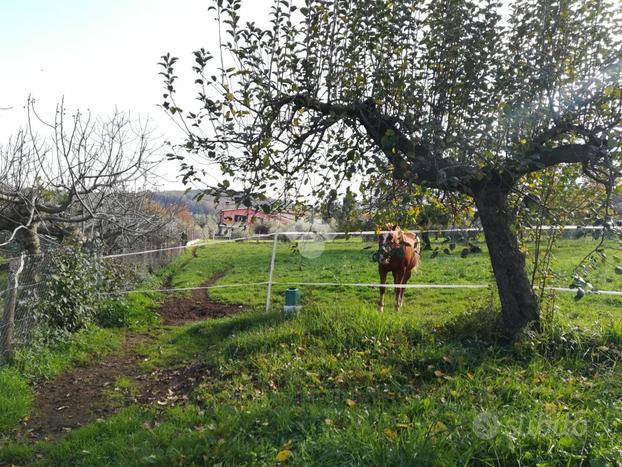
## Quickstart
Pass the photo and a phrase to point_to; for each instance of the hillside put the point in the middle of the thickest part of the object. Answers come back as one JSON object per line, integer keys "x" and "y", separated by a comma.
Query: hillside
{"x": 207, "y": 205}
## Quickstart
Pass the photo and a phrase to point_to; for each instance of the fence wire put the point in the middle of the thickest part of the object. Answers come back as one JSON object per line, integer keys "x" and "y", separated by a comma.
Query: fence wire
{"x": 34, "y": 280}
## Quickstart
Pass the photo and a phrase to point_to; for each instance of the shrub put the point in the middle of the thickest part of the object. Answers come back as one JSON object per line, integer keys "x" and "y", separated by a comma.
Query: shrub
{"x": 239, "y": 234}
{"x": 113, "y": 314}
{"x": 70, "y": 296}
{"x": 261, "y": 229}
{"x": 72, "y": 290}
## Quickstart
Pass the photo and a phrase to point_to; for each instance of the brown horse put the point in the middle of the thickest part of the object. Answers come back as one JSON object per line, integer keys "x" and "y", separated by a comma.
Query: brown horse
{"x": 399, "y": 253}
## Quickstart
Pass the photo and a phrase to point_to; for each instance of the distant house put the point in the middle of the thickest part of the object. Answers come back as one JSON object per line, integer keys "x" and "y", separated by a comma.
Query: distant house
{"x": 246, "y": 217}
{"x": 243, "y": 216}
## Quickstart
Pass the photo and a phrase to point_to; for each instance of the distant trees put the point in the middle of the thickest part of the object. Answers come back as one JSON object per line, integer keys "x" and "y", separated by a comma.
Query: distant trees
{"x": 442, "y": 94}
{"x": 171, "y": 198}
{"x": 207, "y": 223}
{"x": 387, "y": 201}
{"x": 77, "y": 175}
{"x": 345, "y": 211}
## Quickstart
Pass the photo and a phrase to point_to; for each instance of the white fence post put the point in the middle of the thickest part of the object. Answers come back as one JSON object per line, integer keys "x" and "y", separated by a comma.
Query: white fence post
{"x": 269, "y": 294}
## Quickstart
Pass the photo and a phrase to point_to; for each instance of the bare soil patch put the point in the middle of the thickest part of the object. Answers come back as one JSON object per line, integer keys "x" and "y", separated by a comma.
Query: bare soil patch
{"x": 84, "y": 394}
{"x": 98, "y": 390}
{"x": 178, "y": 310}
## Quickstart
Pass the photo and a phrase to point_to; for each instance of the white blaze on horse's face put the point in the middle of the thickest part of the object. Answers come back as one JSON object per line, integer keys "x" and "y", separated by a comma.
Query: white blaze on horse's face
{"x": 387, "y": 243}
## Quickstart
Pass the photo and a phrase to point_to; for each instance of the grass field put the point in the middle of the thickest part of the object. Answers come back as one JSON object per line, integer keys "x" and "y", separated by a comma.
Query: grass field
{"x": 341, "y": 384}
{"x": 349, "y": 262}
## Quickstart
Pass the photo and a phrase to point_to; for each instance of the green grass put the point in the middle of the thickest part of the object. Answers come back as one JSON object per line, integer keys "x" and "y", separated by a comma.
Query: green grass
{"x": 142, "y": 305}
{"x": 349, "y": 262}
{"x": 341, "y": 384}
{"x": 46, "y": 362}
{"x": 420, "y": 394}
{"x": 15, "y": 398}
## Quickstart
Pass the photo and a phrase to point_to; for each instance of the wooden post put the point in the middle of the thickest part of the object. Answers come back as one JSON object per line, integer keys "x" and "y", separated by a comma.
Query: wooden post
{"x": 269, "y": 294}
{"x": 7, "y": 326}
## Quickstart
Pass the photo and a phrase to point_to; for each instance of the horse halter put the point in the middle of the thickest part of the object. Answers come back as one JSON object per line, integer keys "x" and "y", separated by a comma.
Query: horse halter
{"x": 390, "y": 247}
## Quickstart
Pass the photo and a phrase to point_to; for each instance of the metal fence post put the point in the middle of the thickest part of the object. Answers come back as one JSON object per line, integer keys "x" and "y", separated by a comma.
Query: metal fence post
{"x": 7, "y": 326}
{"x": 269, "y": 294}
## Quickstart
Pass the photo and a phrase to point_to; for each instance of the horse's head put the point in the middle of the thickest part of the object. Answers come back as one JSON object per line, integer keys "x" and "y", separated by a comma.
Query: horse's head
{"x": 388, "y": 243}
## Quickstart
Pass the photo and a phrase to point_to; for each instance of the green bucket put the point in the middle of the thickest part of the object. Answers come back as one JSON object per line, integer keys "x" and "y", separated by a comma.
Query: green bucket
{"x": 292, "y": 300}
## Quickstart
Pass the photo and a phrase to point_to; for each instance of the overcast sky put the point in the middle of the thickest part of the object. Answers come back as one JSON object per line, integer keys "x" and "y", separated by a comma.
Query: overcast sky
{"x": 98, "y": 54}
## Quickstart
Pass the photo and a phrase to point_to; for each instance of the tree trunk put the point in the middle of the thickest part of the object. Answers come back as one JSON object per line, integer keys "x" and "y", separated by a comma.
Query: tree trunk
{"x": 519, "y": 303}
{"x": 425, "y": 238}
{"x": 28, "y": 239}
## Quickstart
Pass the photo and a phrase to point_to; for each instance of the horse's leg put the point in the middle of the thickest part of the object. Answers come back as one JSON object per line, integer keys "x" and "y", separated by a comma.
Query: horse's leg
{"x": 397, "y": 279}
{"x": 405, "y": 279}
{"x": 383, "y": 280}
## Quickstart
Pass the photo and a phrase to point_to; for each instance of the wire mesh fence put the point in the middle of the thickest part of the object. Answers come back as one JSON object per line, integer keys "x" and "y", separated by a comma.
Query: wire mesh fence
{"x": 35, "y": 288}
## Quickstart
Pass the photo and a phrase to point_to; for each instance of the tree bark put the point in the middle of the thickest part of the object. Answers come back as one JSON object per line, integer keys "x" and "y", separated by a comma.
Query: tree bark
{"x": 28, "y": 239}
{"x": 425, "y": 238}
{"x": 519, "y": 303}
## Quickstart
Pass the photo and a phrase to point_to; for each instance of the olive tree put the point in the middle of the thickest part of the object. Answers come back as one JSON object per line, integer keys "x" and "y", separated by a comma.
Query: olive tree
{"x": 464, "y": 96}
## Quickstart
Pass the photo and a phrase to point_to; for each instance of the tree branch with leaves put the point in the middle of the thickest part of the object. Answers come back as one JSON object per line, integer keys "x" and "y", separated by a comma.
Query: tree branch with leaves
{"x": 447, "y": 94}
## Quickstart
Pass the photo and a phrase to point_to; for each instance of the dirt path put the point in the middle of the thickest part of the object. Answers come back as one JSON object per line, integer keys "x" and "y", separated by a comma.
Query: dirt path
{"x": 178, "y": 310}
{"x": 96, "y": 391}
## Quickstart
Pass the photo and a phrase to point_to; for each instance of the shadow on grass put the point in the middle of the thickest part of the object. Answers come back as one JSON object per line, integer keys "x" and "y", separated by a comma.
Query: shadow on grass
{"x": 420, "y": 352}
{"x": 196, "y": 340}
{"x": 215, "y": 330}
{"x": 482, "y": 332}
{"x": 483, "y": 327}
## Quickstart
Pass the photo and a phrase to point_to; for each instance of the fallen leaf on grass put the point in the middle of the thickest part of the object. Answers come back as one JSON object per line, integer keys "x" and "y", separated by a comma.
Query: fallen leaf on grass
{"x": 314, "y": 377}
{"x": 550, "y": 407}
{"x": 438, "y": 427}
{"x": 283, "y": 455}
